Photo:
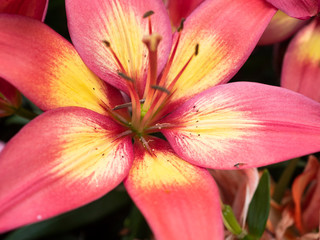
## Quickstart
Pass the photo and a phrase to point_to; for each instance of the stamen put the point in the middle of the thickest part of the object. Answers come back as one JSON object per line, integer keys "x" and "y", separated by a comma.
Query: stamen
{"x": 123, "y": 134}
{"x": 115, "y": 115}
{"x": 163, "y": 89}
{"x": 157, "y": 127}
{"x": 125, "y": 105}
{"x": 146, "y": 145}
{"x": 136, "y": 108}
{"x": 108, "y": 45}
{"x": 159, "y": 103}
{"x": 125, "y": 77}
{"x": 169, "y": 63}
{"x": 147, "y": 15}
{"x": 180, "y": 28}
{"x": 152, "y": 43}
{"x": 196, "y": 52}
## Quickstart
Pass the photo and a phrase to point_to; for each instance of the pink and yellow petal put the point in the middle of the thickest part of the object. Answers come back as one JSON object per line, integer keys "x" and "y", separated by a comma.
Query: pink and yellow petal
{"x": 227, "y": 32}
{"x": 243, "y": 125}
{"x": 236, "y": 189}
{"x": 49, "y": 164}
{"x": 180, "y": 9}
{"x": 122, "y": 25}
{"x": 47, "y": 69}
{"x": 280, "y": 28}
{"x": 31, "y": 8}
{"x": 179, "y": 200}
{"x": 302, "y": 9}
{"x": 301, "y": 69}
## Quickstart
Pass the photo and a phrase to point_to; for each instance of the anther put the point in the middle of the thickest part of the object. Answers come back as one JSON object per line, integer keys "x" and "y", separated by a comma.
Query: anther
{"x": 196, "y": 52}
{"x": 148, "y": 14}
{"x": 162, "y": 89}
{"x": 180, "y": 28}
{"x": 237, "y": 165}
{"x": 107, "y": 43}
{"x": 125, "y": 77}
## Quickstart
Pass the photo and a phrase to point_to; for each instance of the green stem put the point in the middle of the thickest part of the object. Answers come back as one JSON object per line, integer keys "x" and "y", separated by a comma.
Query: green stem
{"x": 22, "y": 112}
{"x": 284, "y": 180}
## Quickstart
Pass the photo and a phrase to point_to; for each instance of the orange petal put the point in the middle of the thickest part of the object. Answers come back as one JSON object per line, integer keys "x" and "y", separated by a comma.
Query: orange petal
{"x": 298, "y": 187}
{"x": 311, "y": 208}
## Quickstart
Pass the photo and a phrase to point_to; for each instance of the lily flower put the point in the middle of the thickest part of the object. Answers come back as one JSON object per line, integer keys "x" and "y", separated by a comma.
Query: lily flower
{"x": 89, "y": 139}
{"x": 300, "y": 68}
{"x": 10, "y": 98}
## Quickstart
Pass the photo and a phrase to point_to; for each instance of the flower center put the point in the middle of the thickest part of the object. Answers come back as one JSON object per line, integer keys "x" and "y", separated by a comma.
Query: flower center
{"x": 146, "y": 112}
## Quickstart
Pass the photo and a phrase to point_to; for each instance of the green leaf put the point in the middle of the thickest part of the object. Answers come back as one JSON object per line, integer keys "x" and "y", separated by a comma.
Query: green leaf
{"x": 92, "y": 212}
{"x": 230, "y": 221}
{"x": 259, "y": 207}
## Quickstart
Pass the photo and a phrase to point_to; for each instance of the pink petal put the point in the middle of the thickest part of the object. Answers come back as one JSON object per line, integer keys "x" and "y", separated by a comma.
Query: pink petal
{"x": 63, "y": 159}
{"x": 237, "y": 188}
{"x": 302, "y": 9}
{"x": 179, "y": 9}
{"x": 301, "y": 69}
{"x": 226, "y": 31}
{"x": 179, "y": 200}
{"x": 31, "y": 8}
{"x": 280, "y": 28}
{"x": 121, "y": 24}
{"x": 47, "y": 69}
{"x": 243, "y": 125}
